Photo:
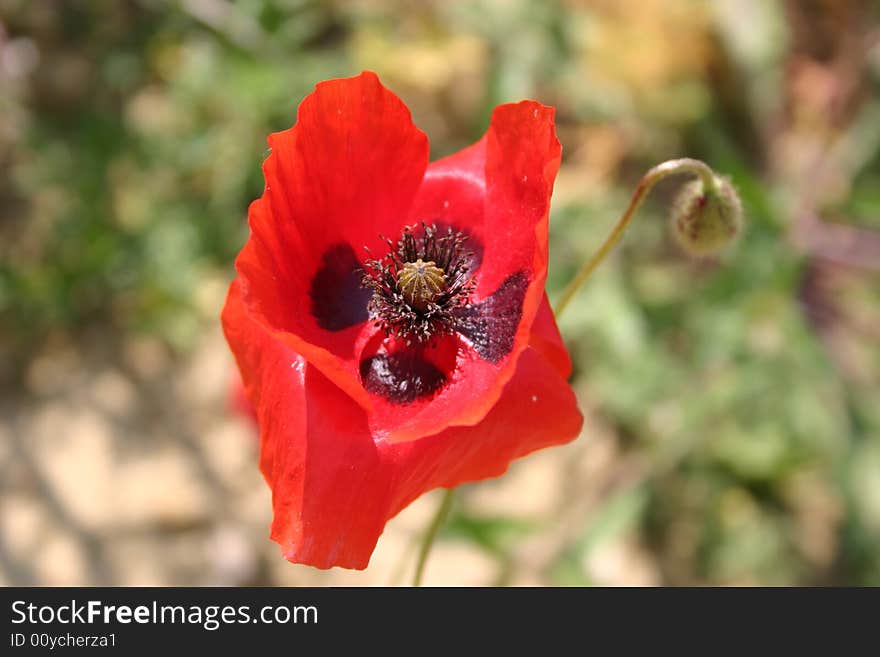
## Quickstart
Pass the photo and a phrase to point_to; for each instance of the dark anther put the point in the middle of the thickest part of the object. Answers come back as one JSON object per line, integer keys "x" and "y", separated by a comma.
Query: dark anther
{"x": 421, "y": 285}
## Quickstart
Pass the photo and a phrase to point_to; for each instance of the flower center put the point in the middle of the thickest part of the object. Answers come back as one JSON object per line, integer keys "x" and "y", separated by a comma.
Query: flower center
{"x": 421, "y": 285}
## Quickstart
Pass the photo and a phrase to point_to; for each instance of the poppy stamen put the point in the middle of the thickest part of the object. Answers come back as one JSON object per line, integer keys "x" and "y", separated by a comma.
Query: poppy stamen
{"x": 421, "y": 285}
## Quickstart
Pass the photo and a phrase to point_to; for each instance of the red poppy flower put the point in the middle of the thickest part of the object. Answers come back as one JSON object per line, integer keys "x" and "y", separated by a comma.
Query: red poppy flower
{"x": 389, "y": 318}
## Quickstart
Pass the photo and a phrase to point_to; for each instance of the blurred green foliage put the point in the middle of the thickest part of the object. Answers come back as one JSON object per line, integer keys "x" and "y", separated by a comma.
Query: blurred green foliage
{"x": 744, "y": 390}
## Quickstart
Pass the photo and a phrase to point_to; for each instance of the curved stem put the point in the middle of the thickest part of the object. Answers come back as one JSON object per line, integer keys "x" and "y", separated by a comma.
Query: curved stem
{"x": 656, "y": 174}
{"x": 431, "y": 534}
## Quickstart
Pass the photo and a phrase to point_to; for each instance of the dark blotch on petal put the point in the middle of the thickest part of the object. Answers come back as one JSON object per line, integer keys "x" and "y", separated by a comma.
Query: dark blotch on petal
{"x": 338, "y": 299}
{"x": 491, "y": 324}
{"x": 401, "y": 378}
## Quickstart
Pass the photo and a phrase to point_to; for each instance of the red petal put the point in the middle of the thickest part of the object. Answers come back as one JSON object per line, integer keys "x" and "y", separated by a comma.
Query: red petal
{"x": 333, "y": 486}
{"x": 546, "y": 339}
{"x": 498, "y": 190}
{"x": 347, "y": 171}
{"x": 537, "y": 409}
{"x": 453, "y": 192}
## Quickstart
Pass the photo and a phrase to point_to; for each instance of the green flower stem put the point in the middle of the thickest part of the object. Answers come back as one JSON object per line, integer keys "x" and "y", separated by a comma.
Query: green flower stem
{"x": 431, "y": 534}
{"x": 656, "y": 174}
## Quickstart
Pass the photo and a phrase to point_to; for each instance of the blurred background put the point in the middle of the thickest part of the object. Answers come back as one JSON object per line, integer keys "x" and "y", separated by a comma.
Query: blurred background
{"x": 732, "y": 405}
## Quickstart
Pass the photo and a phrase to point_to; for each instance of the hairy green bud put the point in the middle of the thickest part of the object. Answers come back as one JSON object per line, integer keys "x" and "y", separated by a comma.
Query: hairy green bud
{"x": 706, "y": 219}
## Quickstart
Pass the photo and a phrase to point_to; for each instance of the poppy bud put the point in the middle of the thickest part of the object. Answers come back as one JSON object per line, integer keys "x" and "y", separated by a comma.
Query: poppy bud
{"x": 706, "y": 219}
